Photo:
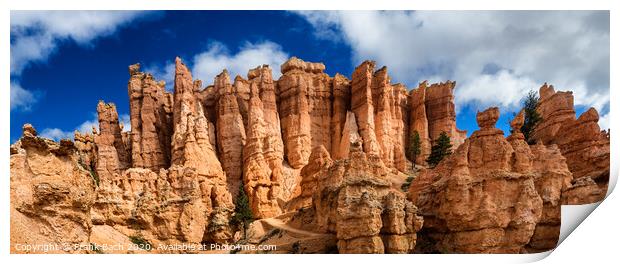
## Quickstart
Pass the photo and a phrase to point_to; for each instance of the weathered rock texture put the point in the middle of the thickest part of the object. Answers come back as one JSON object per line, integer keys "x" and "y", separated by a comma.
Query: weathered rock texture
{"x": 439, "y": 102}
{"x": 150, "y": 108}
{"x": 353, "y": 199}
{"x": 331, "y": 150}
{"x": 581, "y": 141}
{"x": 51, "y": 196}
{"x": 493, "y": 195}
{"x": 230, "y": 131}
{"x": 305, "y": 109}
{"x": 113, "y": 153}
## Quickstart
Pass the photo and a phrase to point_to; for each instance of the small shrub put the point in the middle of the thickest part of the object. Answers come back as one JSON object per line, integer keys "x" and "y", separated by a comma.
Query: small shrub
{"x": 95, "y": 176}
{"x": 405, "y": 186}
{"x": 269, "y": 235}
{"x": 96, "y": 248}
{"x": 141, "y": 242}
{"x": 295, "y": 248}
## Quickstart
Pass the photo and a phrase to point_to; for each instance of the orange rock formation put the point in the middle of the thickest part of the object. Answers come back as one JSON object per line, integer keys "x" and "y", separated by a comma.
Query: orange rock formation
{"x": 324, "y": 149}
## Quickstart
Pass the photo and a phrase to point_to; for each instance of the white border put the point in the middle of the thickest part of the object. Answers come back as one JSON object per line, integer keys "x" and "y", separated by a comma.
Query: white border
{"x": 595, "y": 240}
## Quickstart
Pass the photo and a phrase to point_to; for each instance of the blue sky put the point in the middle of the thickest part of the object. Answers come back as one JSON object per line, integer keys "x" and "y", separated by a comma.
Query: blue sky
{"x": 63, "y": 64}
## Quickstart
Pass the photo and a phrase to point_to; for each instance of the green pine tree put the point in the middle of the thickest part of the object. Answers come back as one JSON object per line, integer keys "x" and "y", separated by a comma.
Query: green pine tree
{"x": 532, "y": 117}
{"x": 439, "y": 150}
{"x": 243, "y": 213}
{"x": 415, "y": 148}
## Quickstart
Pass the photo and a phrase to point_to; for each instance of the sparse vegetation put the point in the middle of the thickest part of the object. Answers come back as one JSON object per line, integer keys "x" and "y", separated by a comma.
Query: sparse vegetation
{"x": 93, "y": 174}
{"x": 439, "y": 150}
{"x": 295, "y": 248}
{"x": 414, "y": 148}
{"x": 331, "y": 249}
{"x": 269, "y": 235}
{"x": 141, "y": 242}
{"x": 243, "y": 214}
{"x": 405, "y": 185}
{"x": 532, "y": 117}
{"x": 95, "y": 248}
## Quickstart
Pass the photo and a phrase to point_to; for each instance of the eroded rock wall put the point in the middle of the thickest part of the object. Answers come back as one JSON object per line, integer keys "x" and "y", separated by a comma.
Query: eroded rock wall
{"x": 50, "y": 195}
{"x": 335, "y": 146}
{"x": 305, "y": 109}
{"x": 492, "y": 195}
{"x": 581, "y": 141}
{"x": 150, "y": 108}
{"x": 353, "y": 199}
{"x": 440, "y": 112}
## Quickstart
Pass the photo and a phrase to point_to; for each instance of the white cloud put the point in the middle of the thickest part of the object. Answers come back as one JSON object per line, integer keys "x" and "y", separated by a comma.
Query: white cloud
{"x": 35, "y": 35}
{"x": 603, "y": 121}
{"x": 21, "y": 98}
{"x": 165, "y": 73}
{"x": 217, "y": 57}
{"x": 502, "y": 88}
{"x": 85, "y": 128}
{"x": 56, "y": 134}
{"x": 493, "y": 55}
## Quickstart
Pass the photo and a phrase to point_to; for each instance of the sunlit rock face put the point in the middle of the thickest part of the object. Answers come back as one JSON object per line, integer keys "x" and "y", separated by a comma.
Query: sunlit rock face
{"x": 493, "y": 195}
{"x": 327, "y": 154}
{"x": 581, "y": 141}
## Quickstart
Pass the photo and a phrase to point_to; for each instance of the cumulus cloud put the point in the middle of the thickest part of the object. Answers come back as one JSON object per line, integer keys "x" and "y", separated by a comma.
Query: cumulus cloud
{"x": 603, "y": 121}
{"x": 21, "y": 98}
{"x": 36, "y": 35}
{"x": 56, "y": 134}
{"x": 165, "y": 73}
{"x": 495, "y": 56}
{"x": 84, "y": 128}
{"x": 217, "y": 57}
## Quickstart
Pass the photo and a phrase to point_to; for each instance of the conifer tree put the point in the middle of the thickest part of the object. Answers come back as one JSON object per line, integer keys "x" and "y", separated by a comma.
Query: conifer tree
{"x": 532, "y": 117}
{"x": 415, "y": 146}
{"x": 439, "y": 150}
{"x": 243, "y": 213}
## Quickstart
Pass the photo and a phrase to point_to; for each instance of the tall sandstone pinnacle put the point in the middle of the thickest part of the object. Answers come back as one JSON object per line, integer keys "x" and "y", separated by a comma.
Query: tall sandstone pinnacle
{"x": 382, "y": 111}
{"x": 305, "y": 107}
{"x": 230, "y": 132}
{"x": 580, "y": 140}
{"x": 341, "y": 89}
{"x": 362, "y": 106}
{"x": 440, "y": 112}
{"x": 150, "y": 108}
{"x": 262, "y": 175}
{"x": 419, "y": 122}
{"x": 112, "y": 151}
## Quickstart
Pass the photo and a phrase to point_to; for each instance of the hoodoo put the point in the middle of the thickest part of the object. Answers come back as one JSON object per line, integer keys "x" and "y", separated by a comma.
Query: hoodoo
{"x": 318, "y": 160}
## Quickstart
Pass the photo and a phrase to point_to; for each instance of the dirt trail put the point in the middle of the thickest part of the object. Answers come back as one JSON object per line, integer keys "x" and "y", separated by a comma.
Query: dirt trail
{"x": 277, "y": 223}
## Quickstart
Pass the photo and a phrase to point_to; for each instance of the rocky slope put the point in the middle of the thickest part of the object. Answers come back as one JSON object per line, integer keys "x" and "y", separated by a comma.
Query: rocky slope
{"x": 317, "y": 157}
